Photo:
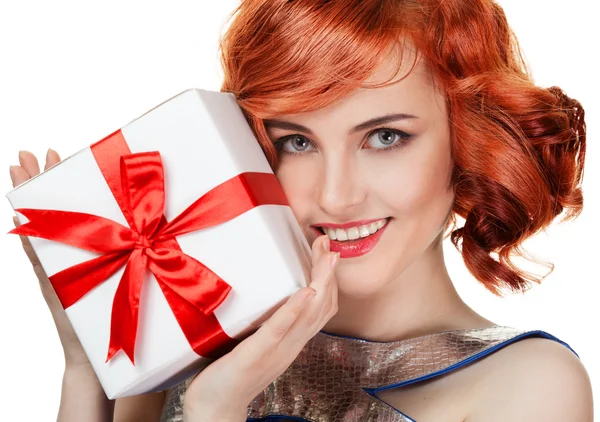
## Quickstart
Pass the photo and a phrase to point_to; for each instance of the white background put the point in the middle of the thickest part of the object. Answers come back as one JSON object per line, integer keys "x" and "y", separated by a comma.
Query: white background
{"x": 72, "y": 72}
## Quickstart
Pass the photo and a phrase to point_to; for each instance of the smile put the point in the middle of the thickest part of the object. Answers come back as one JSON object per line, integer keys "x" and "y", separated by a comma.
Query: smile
{"x": 353, "y": 239}
{"x": 353, "y": 233}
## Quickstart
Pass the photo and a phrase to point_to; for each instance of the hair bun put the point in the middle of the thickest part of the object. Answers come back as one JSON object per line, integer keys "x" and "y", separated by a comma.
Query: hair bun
{"x": 560, "y": 141}
{"x": 514, "y": 181}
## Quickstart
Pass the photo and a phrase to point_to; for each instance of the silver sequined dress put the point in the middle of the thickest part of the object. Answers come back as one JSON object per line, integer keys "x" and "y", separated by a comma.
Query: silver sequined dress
{"x": 336, "y": 378}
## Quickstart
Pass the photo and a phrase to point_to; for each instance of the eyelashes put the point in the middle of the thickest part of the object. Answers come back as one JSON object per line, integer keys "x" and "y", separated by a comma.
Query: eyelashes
{"x": 401, "y": 139}
{"x": 298, "y": 144}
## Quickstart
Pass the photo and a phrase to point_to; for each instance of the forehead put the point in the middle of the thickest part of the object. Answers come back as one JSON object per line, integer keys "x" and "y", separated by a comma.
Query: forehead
{"x": 401, "y": 61}
{"x": 407, "y": 80}
{"x": 410, "y": 88}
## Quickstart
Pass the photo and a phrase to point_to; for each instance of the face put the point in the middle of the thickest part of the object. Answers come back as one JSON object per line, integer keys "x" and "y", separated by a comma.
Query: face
{"x": 373, "y": 172}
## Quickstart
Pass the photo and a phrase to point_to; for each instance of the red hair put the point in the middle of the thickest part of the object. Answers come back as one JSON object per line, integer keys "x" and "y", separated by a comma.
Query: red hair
{"x": 518, "y": 149}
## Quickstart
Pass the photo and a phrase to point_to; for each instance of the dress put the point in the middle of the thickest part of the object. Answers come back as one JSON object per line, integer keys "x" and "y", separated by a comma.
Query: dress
{"x": 335, "y": 378}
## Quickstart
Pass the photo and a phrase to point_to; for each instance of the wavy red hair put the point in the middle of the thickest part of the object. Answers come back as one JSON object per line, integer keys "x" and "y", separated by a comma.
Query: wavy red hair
{"x": 518, "y": 149}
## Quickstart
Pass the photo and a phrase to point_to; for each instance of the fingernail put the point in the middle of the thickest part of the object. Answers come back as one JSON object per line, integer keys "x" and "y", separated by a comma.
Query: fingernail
{"x": 335, "y": 259}
{"x": 13, "y": 176}
{"x": 21, "y": 153}
{"x": 50, "y": 150}
{"x": 326, "y": 245}
{"x": 310, "y": 294}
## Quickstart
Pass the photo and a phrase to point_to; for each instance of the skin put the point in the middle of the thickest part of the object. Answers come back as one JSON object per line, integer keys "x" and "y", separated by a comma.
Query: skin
{"x": 400, "y": 289}
{"x": 223, "y": 390}
{"x": 343, "y": 177}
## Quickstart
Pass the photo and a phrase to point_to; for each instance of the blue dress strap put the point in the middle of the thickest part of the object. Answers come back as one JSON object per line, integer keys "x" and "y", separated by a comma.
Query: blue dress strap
{"x": 472, "y": 358}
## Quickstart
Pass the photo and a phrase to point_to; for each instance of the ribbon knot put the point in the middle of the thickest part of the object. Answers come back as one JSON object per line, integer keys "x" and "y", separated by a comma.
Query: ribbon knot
{"x": 191, "y": 289}
{"x": 143, "y": 243}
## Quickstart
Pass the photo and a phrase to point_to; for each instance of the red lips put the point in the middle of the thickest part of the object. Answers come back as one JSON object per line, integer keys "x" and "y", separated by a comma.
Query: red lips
{"x": 347, "y": 225}
{"x": 357, "y": 247}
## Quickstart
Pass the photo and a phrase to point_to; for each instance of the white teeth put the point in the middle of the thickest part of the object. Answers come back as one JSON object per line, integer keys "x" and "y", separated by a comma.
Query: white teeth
{"x": 331, "y": 233}
{"x": 341, "y": 234}
{"x": 364, "y": 231}
{"x": 354, "y": 233}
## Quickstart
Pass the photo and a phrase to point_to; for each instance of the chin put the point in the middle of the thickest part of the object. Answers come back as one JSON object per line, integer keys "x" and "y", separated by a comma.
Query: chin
{"x": 358, "y": 284}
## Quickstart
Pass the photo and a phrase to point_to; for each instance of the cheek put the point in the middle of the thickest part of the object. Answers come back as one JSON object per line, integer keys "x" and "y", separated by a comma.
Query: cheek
{"x": 418, "y": 184}
{"x": 297, "y": 178}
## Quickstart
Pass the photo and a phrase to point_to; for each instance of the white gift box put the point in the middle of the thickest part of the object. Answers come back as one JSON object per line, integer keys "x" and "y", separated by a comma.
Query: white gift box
{"x": 204, "y": 140}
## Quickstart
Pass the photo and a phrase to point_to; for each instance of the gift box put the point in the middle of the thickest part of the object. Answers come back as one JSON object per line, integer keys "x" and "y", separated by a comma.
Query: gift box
{"x": 167, "y": 242}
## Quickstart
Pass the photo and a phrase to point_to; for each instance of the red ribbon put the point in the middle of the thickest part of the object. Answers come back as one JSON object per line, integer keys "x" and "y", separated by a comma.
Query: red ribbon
{"x": 192, "y": 290}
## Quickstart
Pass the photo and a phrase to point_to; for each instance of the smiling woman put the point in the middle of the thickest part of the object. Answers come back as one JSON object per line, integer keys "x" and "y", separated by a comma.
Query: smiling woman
{"x": 356, "y": 238}
{"x": 346, "y": 176}
{"x": 386, "y": 121}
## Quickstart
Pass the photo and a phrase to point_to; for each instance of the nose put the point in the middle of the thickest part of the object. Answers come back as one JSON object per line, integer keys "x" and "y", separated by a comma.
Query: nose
{"x": 340, "y": 191}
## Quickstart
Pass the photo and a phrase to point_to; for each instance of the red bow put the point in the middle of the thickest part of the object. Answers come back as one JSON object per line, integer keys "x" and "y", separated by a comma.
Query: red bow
{"x": 192, "y": 290}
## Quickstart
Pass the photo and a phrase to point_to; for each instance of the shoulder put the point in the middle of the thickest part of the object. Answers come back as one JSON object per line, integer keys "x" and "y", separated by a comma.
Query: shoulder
{"x": 533, "y": 379}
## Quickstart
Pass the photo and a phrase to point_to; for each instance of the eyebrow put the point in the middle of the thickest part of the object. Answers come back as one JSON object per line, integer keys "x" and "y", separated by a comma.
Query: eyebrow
{"x": 280, "y": 124}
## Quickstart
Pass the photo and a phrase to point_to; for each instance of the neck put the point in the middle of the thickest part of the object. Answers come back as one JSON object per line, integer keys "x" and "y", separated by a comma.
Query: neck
{"x": 421, "y": 301}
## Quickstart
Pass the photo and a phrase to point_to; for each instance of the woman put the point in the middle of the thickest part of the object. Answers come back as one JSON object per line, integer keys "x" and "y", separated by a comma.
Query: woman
{"x": 383, "y": 121}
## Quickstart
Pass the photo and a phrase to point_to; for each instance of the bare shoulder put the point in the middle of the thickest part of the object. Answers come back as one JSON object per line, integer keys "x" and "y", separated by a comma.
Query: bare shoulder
{"x": 142, "y": 408}
{"x": 532, "y": 379}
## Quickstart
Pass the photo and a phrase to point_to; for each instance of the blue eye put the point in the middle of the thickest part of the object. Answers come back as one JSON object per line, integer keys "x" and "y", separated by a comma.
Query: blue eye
{"x": 380, "y": 139}
{"x": 384, "y": 138}
{"x": 295, "y": 144}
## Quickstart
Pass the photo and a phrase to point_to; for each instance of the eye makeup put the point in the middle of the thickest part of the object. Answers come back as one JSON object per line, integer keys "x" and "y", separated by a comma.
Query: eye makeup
{"x": 283, "y": 144}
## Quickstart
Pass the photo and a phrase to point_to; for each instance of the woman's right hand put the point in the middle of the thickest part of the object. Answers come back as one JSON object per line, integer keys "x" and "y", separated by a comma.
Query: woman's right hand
{"x": 224, "y": 389}
{"x": 74, "y": 354}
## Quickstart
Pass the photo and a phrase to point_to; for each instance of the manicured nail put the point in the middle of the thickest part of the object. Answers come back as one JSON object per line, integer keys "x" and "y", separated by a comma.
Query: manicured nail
{"x": 326, "y": 245}
{"x": 335, "y": 259}
{"x": 310, "y": 294}
{"x": 50, "y": 150}
{"x": 13, "y": 175}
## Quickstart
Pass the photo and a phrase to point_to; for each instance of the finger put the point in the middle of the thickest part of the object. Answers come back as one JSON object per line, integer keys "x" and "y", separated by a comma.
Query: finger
{"x": 328, "y": 307}
{"x": 302, "y": 330}
{"x": 33, "y": 258}
{"x": 312, "y": 318}
{"x": 27, "y": 246}
{"x": 42, "y": 278}
{"x": 272, "y": 331}
{"x": 29, "y": 163}
{"x": 319, "y": 247}
{"x": 323, "y": 283}
{"x": 275, "y": 328}
{"x": 29, "y": 251}
{"x": 319, "y": 273}
{"x": 256, "y": 349}
{"x": 18, "y": 175}
{"x": 335, "y": 297}
{"x": 332, "y": 304}
{"x": 52, "y": 158}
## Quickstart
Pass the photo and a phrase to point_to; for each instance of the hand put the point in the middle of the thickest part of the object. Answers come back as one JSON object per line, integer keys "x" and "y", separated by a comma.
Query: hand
{"x": 74, "y": 354}
{"x": 226, "y": 387}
